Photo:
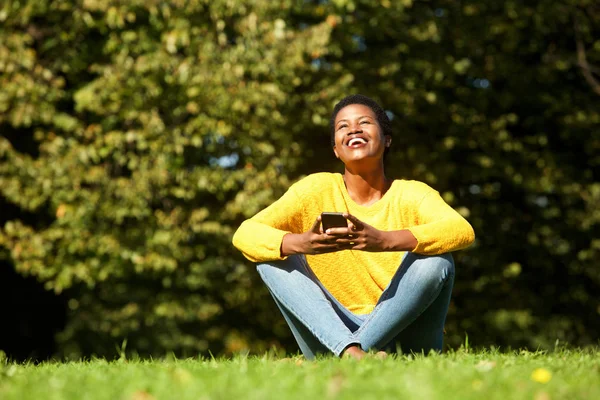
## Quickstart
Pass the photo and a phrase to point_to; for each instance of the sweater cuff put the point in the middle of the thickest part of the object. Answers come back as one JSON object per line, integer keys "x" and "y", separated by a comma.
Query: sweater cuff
{"x": 273, "y": 240}
{"x": 422, "y": 245}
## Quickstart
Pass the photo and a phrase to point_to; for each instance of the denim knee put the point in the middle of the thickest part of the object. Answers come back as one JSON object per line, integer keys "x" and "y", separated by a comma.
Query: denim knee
{"x": 444, "y": 264}
{"x": 293, "y": 262}
{"x": 435, "y": 268}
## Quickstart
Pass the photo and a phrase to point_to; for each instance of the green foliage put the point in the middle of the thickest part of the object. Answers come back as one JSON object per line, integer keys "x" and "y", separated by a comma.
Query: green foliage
{"x": 157, "y": 128}
{"x": 136, "y": 137}
{"x": 459, "y": 375}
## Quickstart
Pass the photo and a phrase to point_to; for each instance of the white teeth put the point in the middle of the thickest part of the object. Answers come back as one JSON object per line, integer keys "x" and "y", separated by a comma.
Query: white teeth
{"x": 358, "y": 140}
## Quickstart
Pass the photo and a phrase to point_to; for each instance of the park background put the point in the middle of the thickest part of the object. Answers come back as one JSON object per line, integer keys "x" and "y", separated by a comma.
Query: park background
{"x": 136, "y": 136}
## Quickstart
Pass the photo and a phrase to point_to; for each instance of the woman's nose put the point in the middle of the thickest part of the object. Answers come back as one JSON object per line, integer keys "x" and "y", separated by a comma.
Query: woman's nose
{"x": 354, "y": 128}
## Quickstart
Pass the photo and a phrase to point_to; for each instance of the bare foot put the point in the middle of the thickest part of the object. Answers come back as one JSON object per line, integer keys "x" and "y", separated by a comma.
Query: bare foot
{"x": 354, "y": 351}
{"x": 381, "y": 355}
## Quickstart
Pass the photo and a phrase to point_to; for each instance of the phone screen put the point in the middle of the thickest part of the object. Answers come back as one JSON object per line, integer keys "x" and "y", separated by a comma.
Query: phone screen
{"x": 333, "y": 220}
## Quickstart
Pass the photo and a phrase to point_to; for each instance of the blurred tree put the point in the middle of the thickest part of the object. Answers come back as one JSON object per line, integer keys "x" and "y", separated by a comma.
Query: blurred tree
{"x": 141, "y": 135}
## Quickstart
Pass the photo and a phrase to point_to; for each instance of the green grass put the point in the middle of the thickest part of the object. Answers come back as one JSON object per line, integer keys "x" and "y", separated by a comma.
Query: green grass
{"x": 561, "y": 374}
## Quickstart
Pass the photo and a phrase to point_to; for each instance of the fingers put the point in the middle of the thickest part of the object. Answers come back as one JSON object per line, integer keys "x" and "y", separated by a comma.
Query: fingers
{"x": 339, "y": 232}
{"x": 336, "y": 241}
{"x": 316, "y": 228}
{"x": 349, "y": 242}
{"x": 330, "y": 248}
{"x": 355, "y": 223}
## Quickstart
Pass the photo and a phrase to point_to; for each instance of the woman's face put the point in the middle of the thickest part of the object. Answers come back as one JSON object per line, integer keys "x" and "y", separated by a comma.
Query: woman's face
{"x": 358, "y": 135}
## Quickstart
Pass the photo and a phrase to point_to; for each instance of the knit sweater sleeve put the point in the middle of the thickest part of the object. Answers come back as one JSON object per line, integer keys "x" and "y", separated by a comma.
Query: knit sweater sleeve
{"x": 259, "y": 238}
{"x": 439, "y": 228}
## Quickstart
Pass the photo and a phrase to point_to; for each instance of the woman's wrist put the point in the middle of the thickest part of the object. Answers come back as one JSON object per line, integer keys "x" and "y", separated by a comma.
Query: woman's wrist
{"x": 290, "y": 244}
{"x": 402, "y": 240}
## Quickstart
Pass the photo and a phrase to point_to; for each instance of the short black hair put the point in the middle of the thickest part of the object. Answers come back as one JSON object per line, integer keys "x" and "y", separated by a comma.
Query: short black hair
{"x": 380, "y": 114}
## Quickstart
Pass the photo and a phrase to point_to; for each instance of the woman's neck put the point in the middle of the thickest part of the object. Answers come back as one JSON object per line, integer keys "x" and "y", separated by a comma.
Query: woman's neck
{"x": 366, "y": 187}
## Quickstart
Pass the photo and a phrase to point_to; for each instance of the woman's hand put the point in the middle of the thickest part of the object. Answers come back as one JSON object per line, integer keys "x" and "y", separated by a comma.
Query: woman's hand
{"x": 357, "y": 236}
{"x": 314, "y": 241}
{"x": 362, "y": 236}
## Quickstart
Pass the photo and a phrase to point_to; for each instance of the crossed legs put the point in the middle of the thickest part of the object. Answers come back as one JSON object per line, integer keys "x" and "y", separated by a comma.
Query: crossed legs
{"x": 410, "y": 313}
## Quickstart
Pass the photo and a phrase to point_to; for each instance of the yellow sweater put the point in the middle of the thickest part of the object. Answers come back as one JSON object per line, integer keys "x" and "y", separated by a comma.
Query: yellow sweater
{"x": 355, "y": 278}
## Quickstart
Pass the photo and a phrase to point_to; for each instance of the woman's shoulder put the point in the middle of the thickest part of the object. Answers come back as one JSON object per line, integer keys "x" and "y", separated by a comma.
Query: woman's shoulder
{"x": 411, "y": 188}
{"x": 319, "y": 181}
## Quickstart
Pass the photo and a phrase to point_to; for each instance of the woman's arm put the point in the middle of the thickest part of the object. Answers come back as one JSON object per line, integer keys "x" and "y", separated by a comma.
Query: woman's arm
{"x": 278, "y": 231}
{"x": 439, "y": 228}
{"x": 434, "y": 228}
{"x": 260, "y": 237}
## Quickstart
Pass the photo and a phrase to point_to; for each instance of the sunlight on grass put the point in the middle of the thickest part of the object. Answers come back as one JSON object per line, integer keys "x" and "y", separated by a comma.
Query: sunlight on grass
{"x": 455, "y": 375}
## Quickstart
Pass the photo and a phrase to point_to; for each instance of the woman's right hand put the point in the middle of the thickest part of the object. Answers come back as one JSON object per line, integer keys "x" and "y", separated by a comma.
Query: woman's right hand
{"x": 313, "y": 241}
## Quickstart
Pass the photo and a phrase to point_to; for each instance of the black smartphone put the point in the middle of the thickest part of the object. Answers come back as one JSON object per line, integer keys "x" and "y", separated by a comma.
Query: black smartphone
{"x": 333, "y": 220}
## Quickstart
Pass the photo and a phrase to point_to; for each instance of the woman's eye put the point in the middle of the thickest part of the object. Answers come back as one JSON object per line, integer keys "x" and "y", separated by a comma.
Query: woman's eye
{"x": 342, "y": 126}
{"x": 364, "y": 122}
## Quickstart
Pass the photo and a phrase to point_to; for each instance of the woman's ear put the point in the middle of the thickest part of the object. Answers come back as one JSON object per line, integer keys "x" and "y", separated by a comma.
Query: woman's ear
{"x": 388, "y": 141}
{"x": 336, "y": 153}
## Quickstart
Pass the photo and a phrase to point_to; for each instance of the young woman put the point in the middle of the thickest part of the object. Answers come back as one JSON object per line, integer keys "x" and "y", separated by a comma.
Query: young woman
{"x": 382, "y": 282}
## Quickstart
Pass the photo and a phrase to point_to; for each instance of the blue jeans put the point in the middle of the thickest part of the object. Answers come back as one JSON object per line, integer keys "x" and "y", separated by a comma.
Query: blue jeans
{"x": 409, "y": 315}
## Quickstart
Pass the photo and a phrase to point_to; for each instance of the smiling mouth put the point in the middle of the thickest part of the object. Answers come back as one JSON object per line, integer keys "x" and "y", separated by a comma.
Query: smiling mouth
{"x": 356, "y": 142}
